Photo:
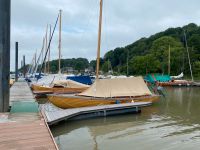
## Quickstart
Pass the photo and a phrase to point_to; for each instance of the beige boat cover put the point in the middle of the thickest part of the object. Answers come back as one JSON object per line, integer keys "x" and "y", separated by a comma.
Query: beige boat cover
{"x": 70, "y": 84}
{"x": 117, "y": 87}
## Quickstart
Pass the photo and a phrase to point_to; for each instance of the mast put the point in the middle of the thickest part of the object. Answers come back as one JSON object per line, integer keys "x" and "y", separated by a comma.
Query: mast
{"x": 46, "y": 45}
{"x": 39, "y": 57}
{"x": 49, "y": 50}
{"x": 59, "y": 46}
{"x": 169, "y": 63}
{"x": 35, "y": 58}
{"x": 43, "y": 44}
{"x": 42, "y": 54}
{"x": 32, "y": 65}
{"x": 127, "y": 63}
{"x": 188, "y": 55}
{"x": 99, "y": 39}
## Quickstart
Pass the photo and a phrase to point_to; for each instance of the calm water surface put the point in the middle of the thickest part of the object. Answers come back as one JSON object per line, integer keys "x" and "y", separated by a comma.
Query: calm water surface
{"x": 171, "y": 124}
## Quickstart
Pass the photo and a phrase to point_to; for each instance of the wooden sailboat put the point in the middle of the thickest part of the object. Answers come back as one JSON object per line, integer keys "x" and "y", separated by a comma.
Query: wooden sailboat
{"x": 61, "y": 86}
{"x": 106, "y": 91}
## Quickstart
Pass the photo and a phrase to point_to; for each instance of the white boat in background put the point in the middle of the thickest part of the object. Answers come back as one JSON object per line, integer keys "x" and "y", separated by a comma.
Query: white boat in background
{"x": 178, "y": 77}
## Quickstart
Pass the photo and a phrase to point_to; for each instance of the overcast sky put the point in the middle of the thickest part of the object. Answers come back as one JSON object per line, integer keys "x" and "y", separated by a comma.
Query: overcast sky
{"x": 124, "y": 21}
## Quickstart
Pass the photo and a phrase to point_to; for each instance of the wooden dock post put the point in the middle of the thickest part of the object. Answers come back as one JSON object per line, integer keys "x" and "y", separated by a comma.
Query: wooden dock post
{"x": 24, "y": 66}
{"x": 16, "y": 61}
{"x": 21, "y": 64}
{"x": 4, "y": 54}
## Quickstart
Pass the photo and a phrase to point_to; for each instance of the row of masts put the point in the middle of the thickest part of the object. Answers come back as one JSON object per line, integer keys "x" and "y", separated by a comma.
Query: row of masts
{"x": 46, "y": 51}
{"x": 45, "y": 46}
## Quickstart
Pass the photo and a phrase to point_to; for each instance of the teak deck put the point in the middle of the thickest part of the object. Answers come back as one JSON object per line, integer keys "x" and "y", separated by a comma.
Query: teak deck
{"x": 24, "y": 131}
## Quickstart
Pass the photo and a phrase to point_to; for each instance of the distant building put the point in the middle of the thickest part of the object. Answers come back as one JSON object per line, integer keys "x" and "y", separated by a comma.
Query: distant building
{"x": 69, "y": 70}
{"x": 89, "y": 70}
{"x": 110, "y": 72}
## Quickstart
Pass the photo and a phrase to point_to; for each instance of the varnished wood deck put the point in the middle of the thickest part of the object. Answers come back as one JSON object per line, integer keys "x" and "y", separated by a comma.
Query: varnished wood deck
{"x": 24, "y": 131}
{"x": 54, "y": 114}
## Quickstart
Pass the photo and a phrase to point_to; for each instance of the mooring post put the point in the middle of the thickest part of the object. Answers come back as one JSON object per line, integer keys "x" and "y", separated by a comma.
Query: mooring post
{"x": 16, "y": 61}
{"x": 4, "y": 54}
{"x": 21, "y": 64}
{"x": 24, "y": 66}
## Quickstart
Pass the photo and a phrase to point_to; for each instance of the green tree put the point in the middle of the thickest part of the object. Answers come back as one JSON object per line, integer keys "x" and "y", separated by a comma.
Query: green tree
{"x": 160, "y": 49}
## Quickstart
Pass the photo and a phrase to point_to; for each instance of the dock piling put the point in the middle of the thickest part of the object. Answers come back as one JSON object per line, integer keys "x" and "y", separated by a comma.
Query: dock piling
{"x": 16, "y": 61}
{"x": 24, "y": 66}
{"x": 4, "y": 54}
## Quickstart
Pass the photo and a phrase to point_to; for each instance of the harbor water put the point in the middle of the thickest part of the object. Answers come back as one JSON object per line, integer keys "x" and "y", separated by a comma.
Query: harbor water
{"x": 171, "y": 124}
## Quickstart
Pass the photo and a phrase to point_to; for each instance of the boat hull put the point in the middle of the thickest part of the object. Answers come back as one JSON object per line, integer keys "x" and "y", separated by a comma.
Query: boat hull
{"x": 38, "y": 88}
{"x": 65, "y": 102}
{"x": 187, "y": 83}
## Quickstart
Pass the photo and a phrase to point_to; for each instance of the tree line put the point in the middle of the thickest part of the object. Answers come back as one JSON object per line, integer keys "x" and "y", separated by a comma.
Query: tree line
{"x": 151, "y": 55}
{"x": 148, "y": 55}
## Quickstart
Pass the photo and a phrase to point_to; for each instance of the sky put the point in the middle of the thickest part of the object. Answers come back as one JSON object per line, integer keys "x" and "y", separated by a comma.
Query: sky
{"x": 124, "y": 21}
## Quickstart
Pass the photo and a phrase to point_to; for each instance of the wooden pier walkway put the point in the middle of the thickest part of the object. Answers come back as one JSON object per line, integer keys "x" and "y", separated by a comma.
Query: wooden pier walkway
{"x": 20, "y": 91}
{"x": 24, "y": 129}
{"x": 54, "y": 114}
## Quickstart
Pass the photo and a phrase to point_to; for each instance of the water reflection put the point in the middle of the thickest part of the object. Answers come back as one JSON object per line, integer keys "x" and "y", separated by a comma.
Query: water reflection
{"x": 173, "y": 123}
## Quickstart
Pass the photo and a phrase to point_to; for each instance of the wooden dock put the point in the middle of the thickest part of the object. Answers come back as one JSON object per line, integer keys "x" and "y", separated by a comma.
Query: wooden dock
{"x": 21, "y": 129}
{"x": 196, "y": 84}
{"x": 20, "y": 91}
{"x": 54, "y": 114}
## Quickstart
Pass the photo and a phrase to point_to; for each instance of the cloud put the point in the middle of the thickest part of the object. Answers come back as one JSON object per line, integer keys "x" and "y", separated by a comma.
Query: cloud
{"x": 123, "y": 23}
